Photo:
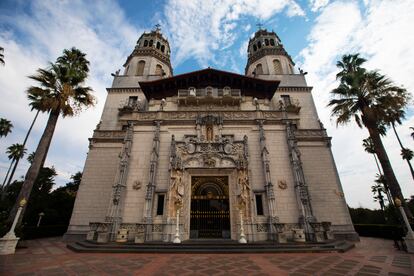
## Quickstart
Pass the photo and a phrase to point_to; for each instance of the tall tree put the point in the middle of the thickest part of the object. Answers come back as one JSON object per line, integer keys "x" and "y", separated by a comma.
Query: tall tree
{"x": 395, "y": 117}
{"x": 1, "y": 55}
{"x": 61, "y": 91}
{"x": 14, "y": 152}
{"x": 367, "y": 97}
{"x": 5, "y": 127}
{"x": 15, "y": 162}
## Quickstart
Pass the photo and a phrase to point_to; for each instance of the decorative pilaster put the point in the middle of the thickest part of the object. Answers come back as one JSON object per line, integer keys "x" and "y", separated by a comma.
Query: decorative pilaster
{"x": 301, "y": 189}
{"x": 115, "y": 208}
{"x": 268, "y": 185}
{"x": 152, "y": 174}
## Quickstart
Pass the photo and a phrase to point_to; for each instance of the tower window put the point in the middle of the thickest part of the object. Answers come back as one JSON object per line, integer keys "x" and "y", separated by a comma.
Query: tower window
{"x": 259, "y": 69}
{"x": 145, "y": 43}
{"x": 160, "y": 205}
{"x": 254, "y": 48}
{"x": 259, "y": 204}
{"x": 272, "y": 42}
{"x": 158, "y": 70}
{"x": 259, "y": 44}
{"x": 151, "y": 43}
{"x": 140, "y": 68}
{"x": 267, "y": 42}
{"x": 162, "y": 48}
{"x": 277, "y": 66}
{"x": 158, "y": 45}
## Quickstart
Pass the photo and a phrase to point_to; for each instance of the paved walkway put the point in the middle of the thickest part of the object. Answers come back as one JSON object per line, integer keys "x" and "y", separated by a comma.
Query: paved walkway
{"x": 51, "y": 257}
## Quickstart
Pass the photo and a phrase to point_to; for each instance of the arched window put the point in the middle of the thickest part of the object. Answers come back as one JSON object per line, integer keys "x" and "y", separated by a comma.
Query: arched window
{"x": 259, "y": 69}
{"x": 158, "y": 70}
{"x": 259, "y": 44}
{"x": 151, "y": 43}
{"x": 145, "y": 43}
{"x": 267, "y": 42}
{"x": 277, "y": 66}
{"x": 162, "y": 48}
{"x": 254, "y": 48}
{"x": 140, "y": 68}
{"x": 158, "y": 45}
{"x": 272, "y": 42}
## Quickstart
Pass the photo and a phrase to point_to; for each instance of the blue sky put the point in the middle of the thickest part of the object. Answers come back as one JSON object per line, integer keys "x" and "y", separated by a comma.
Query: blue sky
{"x": 206, "y": 33}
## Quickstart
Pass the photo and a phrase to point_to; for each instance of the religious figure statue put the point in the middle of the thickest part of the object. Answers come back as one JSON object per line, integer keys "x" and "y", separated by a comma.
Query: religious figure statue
{"x": 244, "y": 187}
{"x": 177, "y": 188}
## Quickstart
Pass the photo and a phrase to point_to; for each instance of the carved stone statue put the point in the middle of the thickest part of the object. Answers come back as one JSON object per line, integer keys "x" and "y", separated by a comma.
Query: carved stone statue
{"x": 244, "y": 187}
{"x": 177, "y": 188}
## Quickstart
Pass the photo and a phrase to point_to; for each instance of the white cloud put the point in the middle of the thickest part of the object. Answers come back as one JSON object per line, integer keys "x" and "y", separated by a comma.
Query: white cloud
{"x": 39, "y": 35}
{"x": 383, "y": 34}
{"x": 316, "y": 5}
{"x": 197, "y": 27}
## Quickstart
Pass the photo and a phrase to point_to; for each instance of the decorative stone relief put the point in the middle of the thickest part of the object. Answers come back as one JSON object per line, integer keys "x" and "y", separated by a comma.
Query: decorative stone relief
{"x": 114, "y": 212}
{"x": 261, "y": 228}
{"x": 282, "y": 184}
{"x": 137, "y": 185}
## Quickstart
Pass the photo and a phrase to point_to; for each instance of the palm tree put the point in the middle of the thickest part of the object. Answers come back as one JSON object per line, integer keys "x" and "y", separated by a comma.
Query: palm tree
{"x": 15, "y": 161}
{"x": 412, "y": 133}
{"x": 378, "y": 190}
{"x": 60, "y": 92}
{"x": 5, "y": 127}
{"x": 1, "y": 55}
{"x": 368, "y": 97}
{"x": 15, "y": 152}
{"x": 380, "y": 180}
{"x": 369, "y": 147}
{"x": 394, "y": 117}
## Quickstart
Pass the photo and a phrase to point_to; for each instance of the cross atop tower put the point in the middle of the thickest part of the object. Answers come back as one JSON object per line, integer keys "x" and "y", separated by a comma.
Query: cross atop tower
{"x": 157, "y": 27}
{"x": 259, "y": 25}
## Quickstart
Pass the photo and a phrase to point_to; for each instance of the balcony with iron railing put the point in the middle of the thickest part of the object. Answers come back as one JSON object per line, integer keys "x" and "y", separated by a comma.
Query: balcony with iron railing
{"x": 209, "y": 95}
{"x": 130, "y": 106}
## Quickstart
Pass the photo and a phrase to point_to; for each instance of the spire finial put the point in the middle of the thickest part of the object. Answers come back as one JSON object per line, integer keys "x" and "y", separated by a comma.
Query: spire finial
{"x": 259, "y": 25}
{"x": 157, "y": 27}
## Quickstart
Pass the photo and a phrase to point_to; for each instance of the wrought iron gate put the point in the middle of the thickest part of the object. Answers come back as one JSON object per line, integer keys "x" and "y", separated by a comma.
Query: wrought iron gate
{"x": 210, "y": 217}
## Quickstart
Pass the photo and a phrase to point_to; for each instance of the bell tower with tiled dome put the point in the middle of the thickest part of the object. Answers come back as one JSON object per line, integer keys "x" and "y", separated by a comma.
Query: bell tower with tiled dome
{"x": 150, "y": 57}
{"x": 267, "y": 56}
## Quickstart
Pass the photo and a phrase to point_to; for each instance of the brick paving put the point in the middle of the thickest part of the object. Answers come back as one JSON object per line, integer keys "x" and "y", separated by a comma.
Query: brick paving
{"x": 51, "y": 257}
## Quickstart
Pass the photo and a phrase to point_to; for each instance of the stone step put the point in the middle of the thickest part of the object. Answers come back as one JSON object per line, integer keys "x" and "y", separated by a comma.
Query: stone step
{"x": 193, "y": 247}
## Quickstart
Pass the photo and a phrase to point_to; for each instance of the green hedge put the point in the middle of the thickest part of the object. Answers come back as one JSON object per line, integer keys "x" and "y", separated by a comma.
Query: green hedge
{"x": 391, "y": 232}
{"x": 44, "y": 231}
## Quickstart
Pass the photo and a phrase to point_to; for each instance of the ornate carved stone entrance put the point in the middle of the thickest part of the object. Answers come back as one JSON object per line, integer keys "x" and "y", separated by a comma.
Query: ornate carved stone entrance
{"x": 210, "y": 209}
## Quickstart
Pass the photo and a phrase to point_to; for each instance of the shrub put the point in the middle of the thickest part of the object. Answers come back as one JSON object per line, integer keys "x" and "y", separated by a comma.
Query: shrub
{"x": 391, "y": 232}
{"x": 43, "y": 231}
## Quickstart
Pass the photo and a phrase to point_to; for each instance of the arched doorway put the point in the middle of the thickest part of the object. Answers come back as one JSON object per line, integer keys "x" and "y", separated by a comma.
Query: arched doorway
{"x": 210, "y": 209}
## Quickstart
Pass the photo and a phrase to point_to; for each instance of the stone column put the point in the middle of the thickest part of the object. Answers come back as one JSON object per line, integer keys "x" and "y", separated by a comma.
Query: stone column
{"x": 268, "y": 185}
{"x": 114, "y": 214}
{"x": 301, "y": 189}
{"x": 151, "y": 182}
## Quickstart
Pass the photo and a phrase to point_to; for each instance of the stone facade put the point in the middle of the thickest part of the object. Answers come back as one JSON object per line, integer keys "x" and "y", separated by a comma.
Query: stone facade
{"x": 212, "y": 149}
